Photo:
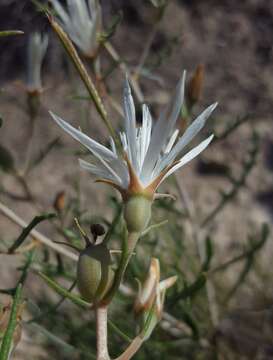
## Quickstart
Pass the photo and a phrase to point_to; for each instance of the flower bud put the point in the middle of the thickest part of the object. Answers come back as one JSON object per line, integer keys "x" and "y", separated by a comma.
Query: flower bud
{"x": 137, "y": 213}
{"x": 59, "y": 201}
{"x": 196, "y": 84}
{"x": 151, "y": 296}
{"x": 94, "y": 270}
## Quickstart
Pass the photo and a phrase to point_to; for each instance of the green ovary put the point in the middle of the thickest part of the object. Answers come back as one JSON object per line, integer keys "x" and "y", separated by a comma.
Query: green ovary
{"x": 137, "y": 213}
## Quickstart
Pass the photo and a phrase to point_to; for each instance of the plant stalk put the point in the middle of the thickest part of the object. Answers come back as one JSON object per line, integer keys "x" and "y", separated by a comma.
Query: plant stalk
{"x": 101, "y": 330}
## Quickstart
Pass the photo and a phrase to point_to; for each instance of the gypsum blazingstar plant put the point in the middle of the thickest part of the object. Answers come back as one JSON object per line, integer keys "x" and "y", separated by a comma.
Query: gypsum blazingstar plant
{"x": 150, "y": 153}
{"x": 83, "y": 22}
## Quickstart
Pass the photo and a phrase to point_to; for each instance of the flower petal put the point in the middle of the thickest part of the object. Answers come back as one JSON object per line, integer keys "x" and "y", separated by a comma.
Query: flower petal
{"x": 130, "y": 122}
{"x": 188, "y": 157}
{"x": 184, "y": 140}
{"x": 92, "y": 145}
{"x": 163, "y": 128}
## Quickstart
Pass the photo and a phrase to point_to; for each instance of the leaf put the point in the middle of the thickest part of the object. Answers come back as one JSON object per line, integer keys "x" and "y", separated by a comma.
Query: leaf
{"x": 110, "y": 31}
{"x": 11, "y": 33}
{"x": 118, "y": 331}
{"x": 113, "y": 226}
{"x": 190, "y": 321}
{"x": 8, "y": 336}
{"x": 209, "y": 254}
{"x": 6, "y": 159}
{"x": 28, "y": 229}
{"x": 189, "y": 291}
{"x": 64, "y": 292}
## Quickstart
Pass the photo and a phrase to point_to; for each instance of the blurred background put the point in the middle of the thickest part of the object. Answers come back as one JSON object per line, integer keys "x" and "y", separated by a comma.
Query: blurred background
{"x": 226, "y": 195}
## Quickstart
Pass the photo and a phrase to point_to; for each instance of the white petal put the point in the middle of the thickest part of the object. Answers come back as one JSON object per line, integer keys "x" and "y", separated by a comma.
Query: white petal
{"x": 96, "y": 170}
{"x": 92, "y": 145}
{"x": 60, "y": 11}
{"x": 189, "y": 134}
{"x": 164, "y": 127}
{"x": 171, "y": 141}
{"x": 130, "y": 122}
{"x": 147, "y": 127}
{"x": 189, "y": 156}
{"x": 113, "y": 146}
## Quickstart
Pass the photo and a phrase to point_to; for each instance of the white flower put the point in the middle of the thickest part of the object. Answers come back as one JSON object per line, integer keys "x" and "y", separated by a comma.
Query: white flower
{"x": 82, "y": 21}
{"x": 150, "y": 154}
{"x": 37, "y": 46}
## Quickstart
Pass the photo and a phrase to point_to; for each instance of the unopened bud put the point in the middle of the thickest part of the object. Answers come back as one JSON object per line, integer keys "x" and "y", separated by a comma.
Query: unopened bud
{"x": 59, "y": 202}
{"x": 151, "y": 296}
{"x": 137, "y": 213}
{"x": 147, "y": 291}
{"x": 195, "y": 85}
{"x": 94, "y": 268}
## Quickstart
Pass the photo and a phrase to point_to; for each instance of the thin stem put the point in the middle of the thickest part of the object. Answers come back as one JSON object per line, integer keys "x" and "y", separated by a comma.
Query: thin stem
{"x": 35, "y": 234}
{"x": 127, "y": 251}
{"x": 132, "y": 349}
{"x": 101, "y": 330}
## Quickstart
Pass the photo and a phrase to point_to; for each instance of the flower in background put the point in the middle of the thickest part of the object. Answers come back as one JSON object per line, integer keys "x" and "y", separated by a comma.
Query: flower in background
{"x": 37, "y": 46}
{"x": 150, "y": 153}
{"x": 151, "y": 295}
{"x": 83, "y": 22}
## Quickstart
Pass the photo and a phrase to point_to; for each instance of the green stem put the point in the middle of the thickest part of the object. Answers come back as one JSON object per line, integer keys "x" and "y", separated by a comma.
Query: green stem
{"x": 129, "y": 244}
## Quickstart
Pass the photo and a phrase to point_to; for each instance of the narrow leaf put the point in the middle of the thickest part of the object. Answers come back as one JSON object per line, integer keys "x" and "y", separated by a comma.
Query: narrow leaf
{"x": 8, "y": 336}
{"x": 28, "y": 229}
{"x": 11, "y": 33}
{"x": 64, "y": 292}
{"x": 191, "y": 290}
{"x": 209, "y": 254}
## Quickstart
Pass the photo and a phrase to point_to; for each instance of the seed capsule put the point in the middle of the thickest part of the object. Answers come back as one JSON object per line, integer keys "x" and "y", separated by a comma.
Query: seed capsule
{"x": 97, "y": 230}
{"x": 94, "y": 269}
{"x": 137, "y": 213}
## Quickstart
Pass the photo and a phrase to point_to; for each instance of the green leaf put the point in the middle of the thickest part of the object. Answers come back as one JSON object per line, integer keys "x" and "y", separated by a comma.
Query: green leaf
{"x": 8, "y": 336}
{"x": 209, "y": 254}
{"x": 28, "y": 229}
{"x": 113, "y": 226}
{"x": 11, "y": 33}
{"x": 118, "y": 331}
{"x": 64, "y": 292}
{"x": 106, "y": 35}
{"x": 189, "y": 291}
{"x": 6, "y": 159}
{"x": 190, "y": 321}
